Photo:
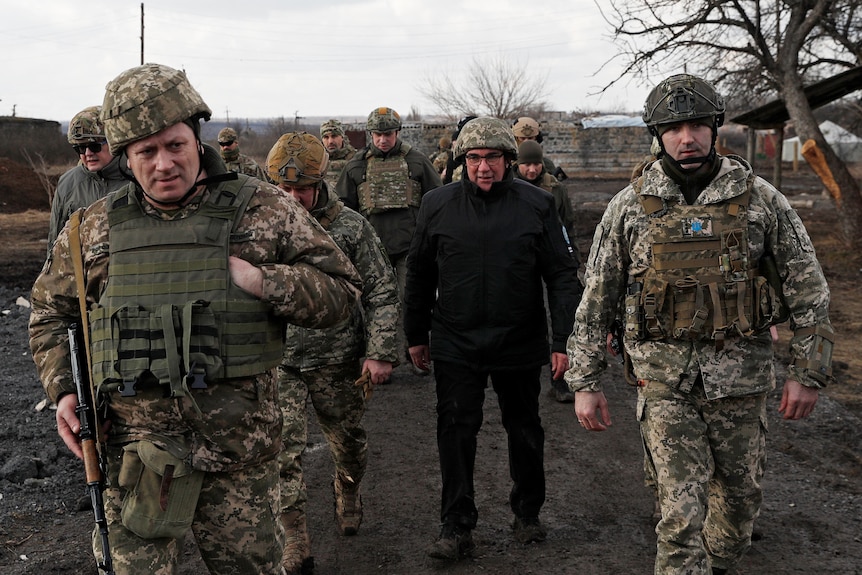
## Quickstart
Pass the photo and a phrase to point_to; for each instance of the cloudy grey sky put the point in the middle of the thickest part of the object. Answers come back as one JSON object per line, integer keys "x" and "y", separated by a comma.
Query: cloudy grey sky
{"x": 280, "y": 58}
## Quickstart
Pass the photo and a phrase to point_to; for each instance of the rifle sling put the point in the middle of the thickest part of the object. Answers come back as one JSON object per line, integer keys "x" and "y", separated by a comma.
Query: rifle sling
{"x": 78, "y": 263}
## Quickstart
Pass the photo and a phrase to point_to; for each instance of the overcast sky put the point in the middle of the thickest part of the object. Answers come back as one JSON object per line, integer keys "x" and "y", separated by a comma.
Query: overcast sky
{"x": 274, "y": 58}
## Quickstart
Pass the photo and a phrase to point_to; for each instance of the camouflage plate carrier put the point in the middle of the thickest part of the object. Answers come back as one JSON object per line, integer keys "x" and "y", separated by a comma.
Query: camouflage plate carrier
{"x": 387, "y": 184}
{"x": 189, "y": 323}
{"x": 702, "y": 284}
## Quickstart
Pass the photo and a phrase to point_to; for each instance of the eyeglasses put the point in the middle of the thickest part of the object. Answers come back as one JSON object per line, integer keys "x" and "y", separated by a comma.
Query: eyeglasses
{"x": 94, "y": 147}
{"x": 491, "y": 159}
{"x": 226, "y": 144}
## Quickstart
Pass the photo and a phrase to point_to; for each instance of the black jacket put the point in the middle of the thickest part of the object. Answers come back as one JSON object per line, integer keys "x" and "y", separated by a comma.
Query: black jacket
{"x": 475, "y": 275}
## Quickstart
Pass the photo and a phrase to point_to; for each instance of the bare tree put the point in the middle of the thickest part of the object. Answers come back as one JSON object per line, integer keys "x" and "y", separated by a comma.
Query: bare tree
{"x": 755, "y": 47}
{"x": 40, "y": 168}
{"x": 494, "y": 86}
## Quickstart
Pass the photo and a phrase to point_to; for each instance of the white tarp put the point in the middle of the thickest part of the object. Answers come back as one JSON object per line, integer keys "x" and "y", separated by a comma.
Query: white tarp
{"x": 846, "y": 145}
{"x": 612, "y": 121}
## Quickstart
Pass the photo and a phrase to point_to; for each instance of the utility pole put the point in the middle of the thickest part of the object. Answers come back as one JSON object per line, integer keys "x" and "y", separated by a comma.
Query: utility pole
{"x": 296, "y": 119}
{"x": 142, "y": 33}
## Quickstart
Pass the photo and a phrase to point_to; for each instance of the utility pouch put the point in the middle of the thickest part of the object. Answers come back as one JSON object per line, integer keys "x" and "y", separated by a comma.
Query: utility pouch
{"x": 634, "y": 328}
{"x": 162, "y": 491}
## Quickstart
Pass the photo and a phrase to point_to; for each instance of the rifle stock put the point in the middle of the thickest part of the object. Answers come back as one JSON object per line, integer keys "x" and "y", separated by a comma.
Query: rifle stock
{"x": 92, "y": 465}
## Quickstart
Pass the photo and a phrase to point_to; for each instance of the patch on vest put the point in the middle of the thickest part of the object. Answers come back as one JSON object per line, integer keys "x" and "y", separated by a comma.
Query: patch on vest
{"x": 697, "y": 227}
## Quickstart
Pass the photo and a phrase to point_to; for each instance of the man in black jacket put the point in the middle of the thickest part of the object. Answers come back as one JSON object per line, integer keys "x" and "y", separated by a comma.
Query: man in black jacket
{"x": 482, "y": 248}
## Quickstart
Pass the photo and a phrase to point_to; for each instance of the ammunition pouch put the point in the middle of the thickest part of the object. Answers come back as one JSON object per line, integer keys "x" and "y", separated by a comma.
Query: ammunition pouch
{"x": 702, "y": 308}
{"x": 161, "y": 491}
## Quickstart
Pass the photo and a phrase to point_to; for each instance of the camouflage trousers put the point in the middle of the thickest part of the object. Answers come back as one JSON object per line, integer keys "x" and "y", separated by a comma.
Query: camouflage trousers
{"x": 339, "y": 406}
{"x": 235, "y": 525}
{"x": 708, "y": 459}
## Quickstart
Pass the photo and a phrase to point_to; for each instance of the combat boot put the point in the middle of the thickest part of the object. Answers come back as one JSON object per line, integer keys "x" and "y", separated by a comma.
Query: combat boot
{"x": 296, "y": 558}
{"x": 348, "y": 505}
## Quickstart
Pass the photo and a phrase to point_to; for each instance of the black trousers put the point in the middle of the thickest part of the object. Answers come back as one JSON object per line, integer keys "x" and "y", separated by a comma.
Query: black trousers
{"x": 460, "y": 395}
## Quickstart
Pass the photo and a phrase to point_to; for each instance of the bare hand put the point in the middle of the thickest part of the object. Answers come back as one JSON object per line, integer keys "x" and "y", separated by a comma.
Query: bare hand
{"x": 797, "y": 400}
{"x": 592, "y": 410}
{"x": 559, "y": 364}
{"x": 420, "y": 355}
{"x": 68, "y": 425}
{"x": 246, "y": 276}
{"x": 379, "y": 370}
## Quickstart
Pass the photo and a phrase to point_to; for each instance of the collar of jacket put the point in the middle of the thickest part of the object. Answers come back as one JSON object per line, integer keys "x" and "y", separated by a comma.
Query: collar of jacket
{"x": 497, "y": 188}
{"x": 375, "y": 151}
{"x": 109, "y": 172}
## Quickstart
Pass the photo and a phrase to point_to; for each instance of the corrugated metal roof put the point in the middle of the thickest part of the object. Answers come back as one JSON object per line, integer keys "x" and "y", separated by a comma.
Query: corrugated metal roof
{"x": 819, "y": 94}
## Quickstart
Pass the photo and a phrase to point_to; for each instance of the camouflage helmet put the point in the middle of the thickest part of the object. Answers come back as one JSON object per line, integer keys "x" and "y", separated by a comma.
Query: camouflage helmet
{"x": 383, "y": 119}
{"x": 145, "y": 100}
{"x": 525, "y": 127}
{"x": 445, "y": 143}
{"x": 681, "y": 98}
{"x": 227, "y": 136}
{"x": 490, "y": 133}
{"x": 85, "y": 127}
{"x": 297, "y": 159}
{"x": 333, "y": 127}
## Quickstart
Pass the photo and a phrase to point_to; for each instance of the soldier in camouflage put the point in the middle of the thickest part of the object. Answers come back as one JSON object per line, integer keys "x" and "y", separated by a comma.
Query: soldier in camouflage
{"x": 324, "y": 364}
{"x": 440, "y": 158}
{"x": 338, "y": 146}
{"x": 97, "y": 173}
{"x": 385, "y": 182}
{"x": 704, "y": 257}
{"x": 527, "y": 129}
{"x": 228, "y": 142}
{"x": 189, "y": 275}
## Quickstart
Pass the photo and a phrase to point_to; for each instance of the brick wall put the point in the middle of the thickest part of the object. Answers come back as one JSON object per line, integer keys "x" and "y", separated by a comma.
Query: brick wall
{"x": 566, "y": 142}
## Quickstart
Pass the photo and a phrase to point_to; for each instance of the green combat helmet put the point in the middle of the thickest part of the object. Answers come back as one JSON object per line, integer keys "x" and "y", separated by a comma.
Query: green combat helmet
{"x": 297, "y": 159}
{"x": 488, "y": 133}
{"x": 85, "y": 127}
{"x": 333, "y": 127}
{"x": 227, "y": 136}
{"x": 145, "y": 100}
{"x": 383, "y": 119}
{"x": 682, "y": 98}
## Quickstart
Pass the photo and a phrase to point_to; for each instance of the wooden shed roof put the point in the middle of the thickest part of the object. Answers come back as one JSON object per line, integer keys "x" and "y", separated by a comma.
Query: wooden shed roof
{"x": 819, "y": 94}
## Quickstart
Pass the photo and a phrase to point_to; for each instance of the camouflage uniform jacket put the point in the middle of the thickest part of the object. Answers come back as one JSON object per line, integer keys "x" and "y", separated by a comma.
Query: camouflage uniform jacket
{"x": 394, "y": 227}
{"x": 306, "y": 279}
{"x": 370, "y": 330}
{"x": 78, "y": 188}
{"x": 245, "y": 165}
{"x": 621, "y": 250}
{"x": 337, "y": 160}
{"x": 561, "y": 198}
{"x": 441, "y": 159}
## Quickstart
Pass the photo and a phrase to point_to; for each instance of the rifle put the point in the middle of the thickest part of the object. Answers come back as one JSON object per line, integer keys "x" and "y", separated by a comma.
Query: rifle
{"x": 92, "y": 464}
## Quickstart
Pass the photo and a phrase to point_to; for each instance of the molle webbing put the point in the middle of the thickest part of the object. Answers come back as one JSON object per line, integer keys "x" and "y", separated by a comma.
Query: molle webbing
{"x": 387, "y": 184}
{"x": 169, "y": 313}
{"x": 702, "y": 283}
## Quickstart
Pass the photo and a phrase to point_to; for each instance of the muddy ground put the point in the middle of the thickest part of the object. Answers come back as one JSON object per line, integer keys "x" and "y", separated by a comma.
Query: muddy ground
{"x": 598, "y": 512}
